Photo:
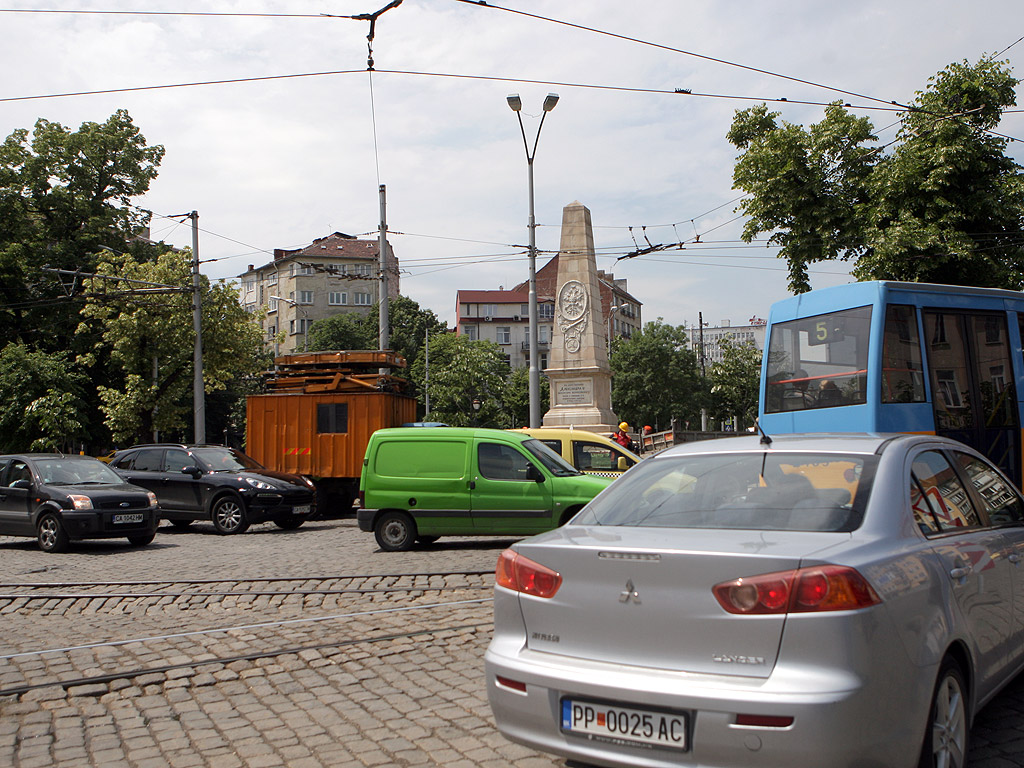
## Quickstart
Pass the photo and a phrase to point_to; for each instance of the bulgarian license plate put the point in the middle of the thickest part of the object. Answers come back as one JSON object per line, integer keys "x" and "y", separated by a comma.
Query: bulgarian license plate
{"x": 624, "y": 725}
{"x": 132, "y": 517}
{"x": 302, "y": 509}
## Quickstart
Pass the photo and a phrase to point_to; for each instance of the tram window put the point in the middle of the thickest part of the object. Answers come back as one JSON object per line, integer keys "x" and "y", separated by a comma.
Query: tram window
{"x": 902, "y": 377}
{"x": 818, "y": 362}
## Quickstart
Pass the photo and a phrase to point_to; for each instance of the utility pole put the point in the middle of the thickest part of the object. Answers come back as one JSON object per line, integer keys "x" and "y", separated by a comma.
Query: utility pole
{"x": 198, "y": 390}
{"x": 384, "y": 327}
{"x": 703, "y": 411}
{"x": 426, "y": 375}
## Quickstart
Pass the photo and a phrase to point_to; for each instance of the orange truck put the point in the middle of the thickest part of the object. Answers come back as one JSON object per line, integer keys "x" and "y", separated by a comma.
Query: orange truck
{"x": 318, "y": 413}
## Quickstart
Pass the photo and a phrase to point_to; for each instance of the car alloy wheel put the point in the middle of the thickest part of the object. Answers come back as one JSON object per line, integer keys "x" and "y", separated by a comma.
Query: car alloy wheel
{"x": 52, "y": 536}
{"x": 229, "y": 516}
{"x": 945, "y": 743}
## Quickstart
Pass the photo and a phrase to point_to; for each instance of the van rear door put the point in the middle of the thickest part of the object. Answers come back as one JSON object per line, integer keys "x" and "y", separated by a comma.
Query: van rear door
{"x": 506, "y": 497}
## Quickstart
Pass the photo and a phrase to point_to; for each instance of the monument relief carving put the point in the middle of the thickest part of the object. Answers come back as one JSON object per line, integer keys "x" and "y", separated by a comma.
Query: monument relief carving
{"x": 573, "y": 302}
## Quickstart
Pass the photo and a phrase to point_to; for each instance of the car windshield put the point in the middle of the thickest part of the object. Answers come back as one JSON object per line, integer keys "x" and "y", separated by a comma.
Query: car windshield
{"x": 756, "y": 491}
{"x": 75, "y": 471}
{"x": 554, "y": 463}
{"x": 224, "y": 459}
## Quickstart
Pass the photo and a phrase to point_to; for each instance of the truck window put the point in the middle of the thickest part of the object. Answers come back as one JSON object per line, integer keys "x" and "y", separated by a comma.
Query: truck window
{"x": 331, "y": 418}
{"x": 501, "y": 462}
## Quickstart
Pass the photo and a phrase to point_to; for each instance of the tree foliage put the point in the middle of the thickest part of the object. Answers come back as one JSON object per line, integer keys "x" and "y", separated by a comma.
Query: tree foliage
{"x": 735, "y": 382}
{"x": 944, "y": 205}
{"x": 64, "y": 197}
{"x": 656, "y": 377}
{"x": 150, "y": 341}
{"x": 42, "y": 408}
{"x": 461, "y": 371}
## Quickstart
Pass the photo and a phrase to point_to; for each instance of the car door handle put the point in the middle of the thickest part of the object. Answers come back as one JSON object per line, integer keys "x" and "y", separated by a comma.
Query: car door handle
{"x": 472, "y": 485}
{"x": 960, "y": 573}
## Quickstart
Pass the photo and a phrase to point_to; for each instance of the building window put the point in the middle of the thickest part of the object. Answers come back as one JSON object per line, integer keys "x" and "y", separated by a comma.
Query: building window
{"x": 489, "y": 310}
{"x": 543, "y": 334}
{"x": 304, "y": 269}
{"x": 249, "y": 285}
{"x": 504, "y": 335}
{"x": 546, "y": 311}
{"x": 272, "y": 305}
{"x": 337, "y": 298}
{"x": 362, "y": 299}
{"x": 469, "y": 332}
{"x": 271, "y": 330}
{"x": 299, "y": 326}
{"x": 524, "y": 309}
{"x": 362, "y": 270}
{"x": 305, "y": 297}
{"x": 543, "y": 362}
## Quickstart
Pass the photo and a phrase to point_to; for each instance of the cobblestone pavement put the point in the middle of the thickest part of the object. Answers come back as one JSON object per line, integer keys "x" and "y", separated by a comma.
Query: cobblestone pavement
{"x": 383, "y": 667}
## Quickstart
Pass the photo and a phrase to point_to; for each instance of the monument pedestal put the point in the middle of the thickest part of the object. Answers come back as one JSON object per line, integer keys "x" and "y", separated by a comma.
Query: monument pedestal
{"x": 579, "y": 374}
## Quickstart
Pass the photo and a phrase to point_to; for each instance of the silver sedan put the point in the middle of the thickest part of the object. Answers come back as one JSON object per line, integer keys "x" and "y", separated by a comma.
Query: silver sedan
{"x": 812, "y": 600}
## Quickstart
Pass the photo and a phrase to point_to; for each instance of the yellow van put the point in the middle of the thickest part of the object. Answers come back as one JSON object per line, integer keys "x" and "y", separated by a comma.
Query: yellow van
{"x": 589, "y": 452}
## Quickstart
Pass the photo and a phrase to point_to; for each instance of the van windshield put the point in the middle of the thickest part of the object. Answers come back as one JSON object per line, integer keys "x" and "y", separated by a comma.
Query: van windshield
{"x": 551, "y": 461}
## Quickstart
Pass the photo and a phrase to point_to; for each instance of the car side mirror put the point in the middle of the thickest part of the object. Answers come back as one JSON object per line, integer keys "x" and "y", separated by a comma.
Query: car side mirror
{"x": 623, "y": 464}
{"x": 23, "y": 484}
{"x": 192, "y": 470}
{"x": 532, "y": 473}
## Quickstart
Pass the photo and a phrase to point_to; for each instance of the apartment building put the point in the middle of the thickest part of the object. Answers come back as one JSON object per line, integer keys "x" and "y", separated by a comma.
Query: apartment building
{"x": 503, "y": 316}
{"x": 334, "y": 274}
{"x": 751, "y": 333}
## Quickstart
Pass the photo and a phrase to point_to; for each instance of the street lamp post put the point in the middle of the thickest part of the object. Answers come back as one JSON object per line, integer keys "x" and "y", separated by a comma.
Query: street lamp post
{"x": 304, "y": 317}
{"x": 517, "y": 105}
{"x": 476, "y": 411}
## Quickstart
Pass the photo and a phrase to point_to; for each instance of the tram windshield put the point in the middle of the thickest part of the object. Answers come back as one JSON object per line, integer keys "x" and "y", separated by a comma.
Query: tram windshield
{"x": 818, "y": 362}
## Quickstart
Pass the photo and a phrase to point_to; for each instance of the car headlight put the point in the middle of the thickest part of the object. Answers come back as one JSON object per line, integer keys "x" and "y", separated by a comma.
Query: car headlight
{"x": 152, "y": 499}
{"x": 262, "y": 485}
{"x": 309, "y": 483}
{"x": 80, "y": 502}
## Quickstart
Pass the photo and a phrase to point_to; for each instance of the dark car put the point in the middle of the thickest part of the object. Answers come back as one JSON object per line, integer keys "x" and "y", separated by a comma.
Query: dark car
{"x": 56, "y": 498}
{"x": 216, "y": 483}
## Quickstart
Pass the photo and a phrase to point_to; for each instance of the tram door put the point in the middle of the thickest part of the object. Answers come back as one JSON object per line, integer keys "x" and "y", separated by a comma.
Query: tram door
{"x": 973, "y": 391}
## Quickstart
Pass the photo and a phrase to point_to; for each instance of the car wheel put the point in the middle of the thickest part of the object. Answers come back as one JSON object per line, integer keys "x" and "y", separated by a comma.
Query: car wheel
{"x": 289, "y": 523}
{"x": 51, "y": 534}
{"x": 945, "y": 739}
{"x": 141, "y": 539}
{"x": 394, "y": 531}
{"x": 229, "y": 516}
{"x": 181, "y": 525}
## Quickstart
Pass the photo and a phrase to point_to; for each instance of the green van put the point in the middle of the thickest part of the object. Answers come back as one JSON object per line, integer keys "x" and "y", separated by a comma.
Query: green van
{"x": 418, "y": 484}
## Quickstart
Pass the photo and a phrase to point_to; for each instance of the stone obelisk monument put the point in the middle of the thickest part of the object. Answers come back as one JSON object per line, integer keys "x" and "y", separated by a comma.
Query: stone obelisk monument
{"x": 578, "y": 370}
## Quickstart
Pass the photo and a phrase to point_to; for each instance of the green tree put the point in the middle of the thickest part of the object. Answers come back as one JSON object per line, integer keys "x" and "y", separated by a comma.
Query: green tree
{"x": 517, "y": 397}
{"x": 735, "y": 383}
{"x": 346, "y": 330}
{"x": 461, "y": 371}
{"x": 65, "y": 196}
{"x": 655, "y": 377}
{"x": 150, "y": 341}
{"x": 944, "y": 205}
{"x": 42, "y": 408}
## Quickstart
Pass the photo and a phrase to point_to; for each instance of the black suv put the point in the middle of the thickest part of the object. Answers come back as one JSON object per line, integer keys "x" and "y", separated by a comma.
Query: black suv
{"x": 56, "y": 498}
{"x": 213, "y": 482}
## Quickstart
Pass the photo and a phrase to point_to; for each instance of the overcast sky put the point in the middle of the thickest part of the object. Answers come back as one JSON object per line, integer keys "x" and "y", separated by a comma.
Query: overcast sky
{"x": 276, "y": 163}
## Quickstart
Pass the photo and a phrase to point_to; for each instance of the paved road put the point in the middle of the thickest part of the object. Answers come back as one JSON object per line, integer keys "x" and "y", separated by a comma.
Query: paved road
{"x": 376, "y": 678}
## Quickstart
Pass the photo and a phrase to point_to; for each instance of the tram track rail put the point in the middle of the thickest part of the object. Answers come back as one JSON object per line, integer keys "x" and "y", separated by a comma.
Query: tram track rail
{"x": 128, "y": 674}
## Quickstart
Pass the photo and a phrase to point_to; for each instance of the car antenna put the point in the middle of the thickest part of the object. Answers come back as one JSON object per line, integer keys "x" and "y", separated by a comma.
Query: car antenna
{"x": 765, "y": 440}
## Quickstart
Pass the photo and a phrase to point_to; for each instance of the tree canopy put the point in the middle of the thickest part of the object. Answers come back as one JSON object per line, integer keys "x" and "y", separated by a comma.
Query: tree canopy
{"x": 735, "y": 382}
{"x": 944, "y": 204}
{"x": 656, "y": 377}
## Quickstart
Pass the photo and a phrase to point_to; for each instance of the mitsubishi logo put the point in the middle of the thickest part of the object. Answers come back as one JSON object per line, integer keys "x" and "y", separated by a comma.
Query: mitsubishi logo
{"x": 629, "y": 594}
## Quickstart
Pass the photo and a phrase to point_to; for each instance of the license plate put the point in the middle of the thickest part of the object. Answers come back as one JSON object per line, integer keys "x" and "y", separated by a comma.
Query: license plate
{"x": 302, "y": 509}
{"x": 133, "y": 517}
{"x": 625, "y": 725}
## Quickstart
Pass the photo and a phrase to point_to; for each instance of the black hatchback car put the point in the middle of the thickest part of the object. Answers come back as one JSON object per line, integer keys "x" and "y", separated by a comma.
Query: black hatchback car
{"x": 216, "y": 483}
{"x": 56, "y": 498}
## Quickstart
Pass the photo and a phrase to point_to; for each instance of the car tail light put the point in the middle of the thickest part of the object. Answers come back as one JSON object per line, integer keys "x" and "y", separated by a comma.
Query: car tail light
{"x": 804, "y": 590}
{"x": 521, "y": 574}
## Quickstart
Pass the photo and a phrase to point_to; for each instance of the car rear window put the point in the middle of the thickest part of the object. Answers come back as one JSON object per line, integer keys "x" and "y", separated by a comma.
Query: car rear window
{"x": 754, "y": 491}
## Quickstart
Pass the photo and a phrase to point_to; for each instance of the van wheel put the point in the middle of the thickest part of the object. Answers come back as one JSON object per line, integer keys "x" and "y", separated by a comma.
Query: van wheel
{"x": 51, "y": 534}
{"x": 394, "y": 531}
{"x": 945, "y": 739}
